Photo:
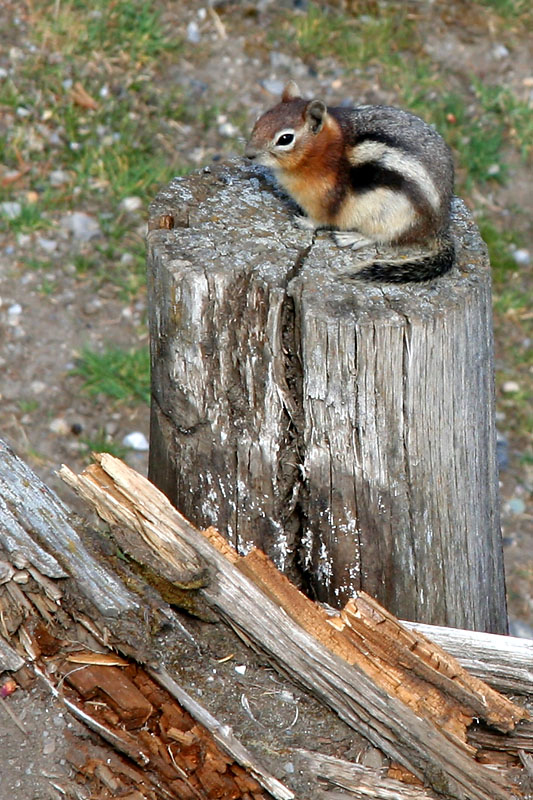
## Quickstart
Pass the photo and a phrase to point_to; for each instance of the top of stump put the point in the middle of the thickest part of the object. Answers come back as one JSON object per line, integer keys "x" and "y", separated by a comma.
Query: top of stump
{"x": 233, "y": 217}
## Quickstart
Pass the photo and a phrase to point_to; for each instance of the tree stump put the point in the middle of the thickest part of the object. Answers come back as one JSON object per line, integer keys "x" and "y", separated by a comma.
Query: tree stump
{"x": 345, "y": 428}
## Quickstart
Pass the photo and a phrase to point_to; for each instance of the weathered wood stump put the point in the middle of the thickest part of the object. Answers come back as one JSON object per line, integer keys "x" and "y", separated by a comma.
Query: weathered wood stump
{"x": 346, "y": 429}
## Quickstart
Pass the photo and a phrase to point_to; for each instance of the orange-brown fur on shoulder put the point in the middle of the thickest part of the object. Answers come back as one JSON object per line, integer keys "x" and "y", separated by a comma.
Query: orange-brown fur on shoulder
{"x": 311, "y": 174}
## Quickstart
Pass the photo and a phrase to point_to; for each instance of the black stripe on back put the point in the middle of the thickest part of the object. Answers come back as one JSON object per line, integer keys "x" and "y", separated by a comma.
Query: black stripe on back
{"x": 372, "y": 175}
{"x": 391, "y": 140}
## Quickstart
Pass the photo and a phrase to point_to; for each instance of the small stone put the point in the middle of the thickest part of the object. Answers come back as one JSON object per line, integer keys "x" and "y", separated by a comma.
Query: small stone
{"x": 510, "y": 387}
{"x": 193, "y": 33}
{"x": 55, "y": 139}
{"x": 48, "y": 245}
{"x": 110, "y": 428}
{"x": 273, "y": 86}
{"x": 80, "y": 225}
{"x": 500, "y": 51}
{"x": 280, "y": 60}
{"x": 241, "y": 669}
{"x": 493, "y": 170}
{"x": 228, "y": 130}
{"x": 92, "y": 306}
{"x": 287, "y": 696}
{"x": 14, "y": 310}
{"x": 23, "y": 239}
{"x": 131, "y": 204}
{"x": 136, "y": 441}
{"x": 37, "y": 387}
{"x": 58, "y": 177}
{"x": 516, "y": 505}
{"x": 49, "y": 747}
{"x": 60, "y": 426}
{"x": 522, "y": 256}
{"x": 11, "y": 209}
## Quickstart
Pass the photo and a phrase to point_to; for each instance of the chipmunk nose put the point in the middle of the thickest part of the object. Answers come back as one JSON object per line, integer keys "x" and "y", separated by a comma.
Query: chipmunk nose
{"x": 251, "y": 152}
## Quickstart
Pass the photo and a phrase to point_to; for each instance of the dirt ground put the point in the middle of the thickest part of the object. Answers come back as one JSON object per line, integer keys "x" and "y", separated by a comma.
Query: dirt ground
{"x": 45, "y": 321}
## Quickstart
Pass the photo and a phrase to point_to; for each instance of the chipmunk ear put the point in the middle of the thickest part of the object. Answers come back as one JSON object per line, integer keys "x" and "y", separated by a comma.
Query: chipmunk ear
{"x": 290, "y": 92}
{"x": 315, "y": 112}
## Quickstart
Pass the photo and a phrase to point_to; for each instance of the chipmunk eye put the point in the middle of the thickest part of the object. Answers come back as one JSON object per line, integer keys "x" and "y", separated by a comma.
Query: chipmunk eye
{"x": 285, "y": 139}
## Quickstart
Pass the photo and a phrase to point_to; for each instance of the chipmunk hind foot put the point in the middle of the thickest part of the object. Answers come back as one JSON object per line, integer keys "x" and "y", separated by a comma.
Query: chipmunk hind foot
{"x": 351, "y": 239}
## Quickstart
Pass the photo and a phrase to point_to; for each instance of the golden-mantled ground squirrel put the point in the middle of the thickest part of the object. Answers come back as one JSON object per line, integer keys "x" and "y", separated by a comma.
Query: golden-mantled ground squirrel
{"x": 375, "y": 174}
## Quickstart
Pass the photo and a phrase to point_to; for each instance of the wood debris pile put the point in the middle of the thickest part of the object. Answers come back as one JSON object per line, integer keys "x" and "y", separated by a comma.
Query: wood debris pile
{"x": 64, "y": 616}
{"x": 168, "y": 753}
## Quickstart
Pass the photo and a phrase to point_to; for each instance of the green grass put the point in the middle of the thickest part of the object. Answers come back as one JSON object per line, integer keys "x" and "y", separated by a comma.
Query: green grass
{"x": 121, "y": 375}
{"x": 121, "y": 261}
{"x": 123, "y": 146}
{"x": 501, "y": 104}
{"x": 48, "y": 287}
{"x": 516, "y": 10}
{"x": 111, "y": 150}
{"x": 28, "y": 406}
{"x": 509, "y": 300}
{"x": 500, "y": 244}
{"x": 354, "y": 40}
{"x": 126, "y": 29}
{"x": 102, "y": 443}
{"x": 31, "y": 218}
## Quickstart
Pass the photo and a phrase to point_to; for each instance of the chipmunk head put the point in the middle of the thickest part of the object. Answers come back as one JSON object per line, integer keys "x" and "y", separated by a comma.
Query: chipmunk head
{"x": 284, "y": 135}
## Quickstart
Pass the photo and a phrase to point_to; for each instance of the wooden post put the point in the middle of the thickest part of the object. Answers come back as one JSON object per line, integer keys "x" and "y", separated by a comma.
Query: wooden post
{"x": 346, "y": 429}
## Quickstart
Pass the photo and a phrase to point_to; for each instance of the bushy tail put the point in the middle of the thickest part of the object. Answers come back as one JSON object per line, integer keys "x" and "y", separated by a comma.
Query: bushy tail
{"x": 424, "y": 268}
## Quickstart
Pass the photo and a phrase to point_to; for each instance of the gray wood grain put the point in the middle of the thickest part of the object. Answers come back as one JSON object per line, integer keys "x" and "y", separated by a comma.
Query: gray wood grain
{"x": 9, "y": 658}
{"x": 346, "y": 429}
{"x": 504, "y": 662}
{"x": 26, "y": 504}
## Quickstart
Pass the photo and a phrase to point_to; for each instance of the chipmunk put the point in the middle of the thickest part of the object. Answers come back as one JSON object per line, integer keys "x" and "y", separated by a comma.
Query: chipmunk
{"x": 374, "y": 174}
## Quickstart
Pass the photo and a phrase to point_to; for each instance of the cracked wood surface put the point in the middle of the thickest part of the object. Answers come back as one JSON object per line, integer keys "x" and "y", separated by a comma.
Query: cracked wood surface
{"x": 43, "y": 623}
{"x": 345, "y": 429}
{"x": 342, "y": 673}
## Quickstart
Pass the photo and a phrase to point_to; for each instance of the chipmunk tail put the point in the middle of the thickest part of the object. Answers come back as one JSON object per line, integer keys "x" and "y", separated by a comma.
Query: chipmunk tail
{"x": 412, "y": 270}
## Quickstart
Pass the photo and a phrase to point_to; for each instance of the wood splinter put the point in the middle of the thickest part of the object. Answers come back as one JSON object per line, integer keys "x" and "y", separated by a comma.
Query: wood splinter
{"x": 407, "y": 696}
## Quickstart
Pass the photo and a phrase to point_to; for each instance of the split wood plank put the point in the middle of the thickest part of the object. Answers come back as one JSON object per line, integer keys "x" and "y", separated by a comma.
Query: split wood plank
{"x": 49, "y": 520}
{"x": 504, "y": 662}
{"x": 357, "y": 781}
{"x": 429, "y": 753}
{"x": 365, "y": 618}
